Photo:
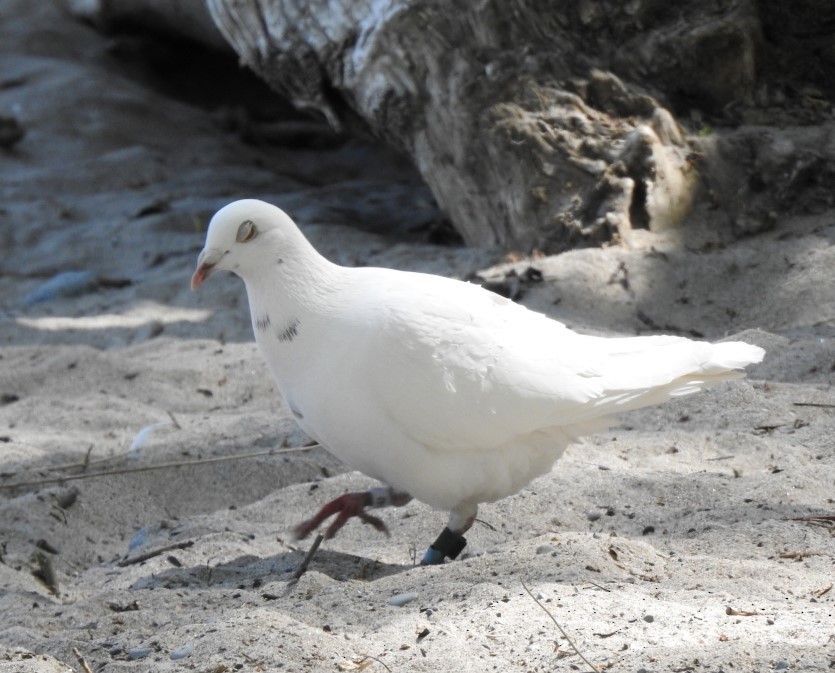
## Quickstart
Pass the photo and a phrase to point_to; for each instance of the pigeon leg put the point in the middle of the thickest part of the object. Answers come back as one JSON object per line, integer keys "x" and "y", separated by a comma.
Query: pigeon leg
{"x": 353, "y": 505}
{"x": 451, "y": 540}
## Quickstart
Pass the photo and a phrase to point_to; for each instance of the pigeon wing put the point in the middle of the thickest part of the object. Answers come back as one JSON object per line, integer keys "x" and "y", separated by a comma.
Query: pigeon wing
{"x": 461, "y": 368}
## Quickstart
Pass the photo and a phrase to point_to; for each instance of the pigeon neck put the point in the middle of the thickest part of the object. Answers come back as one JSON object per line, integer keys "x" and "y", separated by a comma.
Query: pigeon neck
{"x": 292, "y": 283}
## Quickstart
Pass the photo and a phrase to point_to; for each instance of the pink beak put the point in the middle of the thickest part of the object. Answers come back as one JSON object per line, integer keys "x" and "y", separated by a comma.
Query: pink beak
{"x": 201, "y": 273}
{"x": 205, "y": 266}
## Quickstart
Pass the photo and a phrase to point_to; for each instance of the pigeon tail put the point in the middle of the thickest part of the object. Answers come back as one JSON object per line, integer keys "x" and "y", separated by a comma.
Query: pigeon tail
{"x": 643, "y": 371}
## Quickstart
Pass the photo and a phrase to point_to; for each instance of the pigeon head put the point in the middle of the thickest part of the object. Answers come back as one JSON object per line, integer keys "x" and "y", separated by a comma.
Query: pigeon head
{"x": 243, "y": 237}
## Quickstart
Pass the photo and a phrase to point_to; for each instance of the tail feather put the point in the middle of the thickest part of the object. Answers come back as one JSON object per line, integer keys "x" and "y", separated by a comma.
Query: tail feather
{"x": 734, "y": 355}
{"x": 643, "y": 374}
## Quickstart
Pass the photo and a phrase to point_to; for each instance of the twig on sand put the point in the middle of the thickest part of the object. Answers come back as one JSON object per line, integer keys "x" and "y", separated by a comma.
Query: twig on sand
{"x": 87, "y": 455}
{"x": 800, "y": 555}
{"x": 154, "y": 552}
{"x": 602, "y": 588}
{"x": 561, "y": 630}
{"x": 82, "y": 661}
{"x": 818, "y": 593}
{"x": 826, "y": 521}
{"x": 379, "y": 661}
{"x": 733, "y": 612}
{"x": 813, "y": 518}
{"x": 487, "y": 525}
{"x": 814, "y": 404}
{"x": 158, "y": 466}
{"x": 302, "y": 569}
{"x": 174, "y": 421}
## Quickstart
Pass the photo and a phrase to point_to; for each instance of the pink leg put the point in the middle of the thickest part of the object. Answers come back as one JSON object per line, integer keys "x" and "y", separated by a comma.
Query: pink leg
{"x": 352, "y": 505}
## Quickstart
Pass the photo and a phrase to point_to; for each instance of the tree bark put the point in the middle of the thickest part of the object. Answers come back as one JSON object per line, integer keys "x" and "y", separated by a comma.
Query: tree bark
{"x": 549, "y": 125}
{"x": 523, "y": 142}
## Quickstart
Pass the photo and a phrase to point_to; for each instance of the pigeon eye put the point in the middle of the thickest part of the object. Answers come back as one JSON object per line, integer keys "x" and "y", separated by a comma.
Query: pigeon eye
{"x": 246, "y": 232}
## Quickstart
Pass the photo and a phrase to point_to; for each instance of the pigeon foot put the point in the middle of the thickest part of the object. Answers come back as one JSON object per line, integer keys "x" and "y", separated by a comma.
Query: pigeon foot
{"x": 345, "y": 507}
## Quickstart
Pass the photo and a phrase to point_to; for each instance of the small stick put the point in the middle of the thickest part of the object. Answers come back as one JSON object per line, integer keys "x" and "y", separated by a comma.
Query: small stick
{"x": 800, "y": 554}
{"x": 155, "y": 552}
{"x": 302, "y": 569}
{"x": 814, "y": 404}
{"x": 488, "y": 525}
{"x": 82, "y": 661}
{"x": 595, "y": 584}
{"x": 174, "y": 421}
{"x": 86, "y": 462}
{"x": 379, "y": 661}
{"x": 159, "y": 466}
{"x": 561, "y": 630}
{"x": 813, "y": 518}
{"x": 822, "y": 592}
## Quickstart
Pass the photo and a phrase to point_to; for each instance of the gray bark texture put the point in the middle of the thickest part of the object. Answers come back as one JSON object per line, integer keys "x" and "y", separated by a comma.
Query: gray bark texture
{"x": 178, "y": 18}
{"x": 550, "y": 125}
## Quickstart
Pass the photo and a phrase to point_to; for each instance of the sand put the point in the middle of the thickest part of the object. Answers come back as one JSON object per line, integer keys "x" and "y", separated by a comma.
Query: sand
{"x": 684, "y": 539}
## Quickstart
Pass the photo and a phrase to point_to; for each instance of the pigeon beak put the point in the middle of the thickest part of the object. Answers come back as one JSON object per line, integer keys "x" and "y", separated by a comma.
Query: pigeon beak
{"x": 206, "y": 266}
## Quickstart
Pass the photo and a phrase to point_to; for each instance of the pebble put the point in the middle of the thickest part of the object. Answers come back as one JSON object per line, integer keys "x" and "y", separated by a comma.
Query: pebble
{"x": 402, "y": 599}
{"x": 181, "y": 652}
{"x": 544, "y": 549}
{"x": 649, "y": 619}
{"x": 139, "y": 652}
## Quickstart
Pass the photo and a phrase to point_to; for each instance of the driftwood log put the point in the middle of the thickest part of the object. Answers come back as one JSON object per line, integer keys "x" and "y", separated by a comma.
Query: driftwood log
{"x": 549, "y": 125}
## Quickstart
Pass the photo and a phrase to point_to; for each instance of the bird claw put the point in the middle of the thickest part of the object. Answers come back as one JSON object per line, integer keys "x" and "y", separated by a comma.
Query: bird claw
{"x": 345, "y": 507}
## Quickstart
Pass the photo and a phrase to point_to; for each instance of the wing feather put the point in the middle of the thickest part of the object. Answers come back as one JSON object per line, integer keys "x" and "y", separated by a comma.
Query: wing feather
{"x": 473, "y": 370}
{"x": 465, "y": 369}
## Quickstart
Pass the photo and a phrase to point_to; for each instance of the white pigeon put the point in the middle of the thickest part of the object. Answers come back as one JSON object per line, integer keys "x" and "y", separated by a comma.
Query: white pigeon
{"x": 438, "y": 388}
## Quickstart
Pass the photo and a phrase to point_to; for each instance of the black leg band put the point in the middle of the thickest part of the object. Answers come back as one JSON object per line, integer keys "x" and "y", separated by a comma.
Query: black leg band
{"x": 449, "y": 544}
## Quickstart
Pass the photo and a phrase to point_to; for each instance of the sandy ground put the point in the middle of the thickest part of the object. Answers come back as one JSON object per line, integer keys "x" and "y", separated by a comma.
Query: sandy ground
{"x": 684, "y": 539}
